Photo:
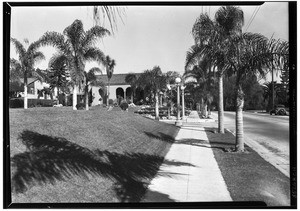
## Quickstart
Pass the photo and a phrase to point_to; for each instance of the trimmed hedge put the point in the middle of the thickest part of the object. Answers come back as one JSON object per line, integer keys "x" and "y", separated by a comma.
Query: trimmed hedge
{"x": 19, "y": 103}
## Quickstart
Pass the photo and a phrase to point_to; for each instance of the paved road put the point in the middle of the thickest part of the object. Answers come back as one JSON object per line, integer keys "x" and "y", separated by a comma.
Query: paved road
{"x": 268, "y": 134}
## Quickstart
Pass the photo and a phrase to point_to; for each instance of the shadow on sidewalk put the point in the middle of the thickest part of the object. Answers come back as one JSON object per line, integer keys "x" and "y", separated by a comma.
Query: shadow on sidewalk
{"x": 201, "y": 143}
{"x": 49, "y": 159}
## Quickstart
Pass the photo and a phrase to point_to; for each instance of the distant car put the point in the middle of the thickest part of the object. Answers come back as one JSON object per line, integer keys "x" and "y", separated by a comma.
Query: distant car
{"x": 278, "y": 110}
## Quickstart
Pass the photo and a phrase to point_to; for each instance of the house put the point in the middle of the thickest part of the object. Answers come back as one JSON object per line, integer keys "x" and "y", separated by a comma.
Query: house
{"x": 118, "y": 88}
{"x": 33, "y": 90}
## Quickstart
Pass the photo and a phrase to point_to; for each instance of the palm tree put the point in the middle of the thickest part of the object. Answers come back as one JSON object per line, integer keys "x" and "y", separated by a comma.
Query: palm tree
{"x": 57, "y": 72}
{"x": 156, "y": 81}
{"x": 211, "y": 38}
{"x": 91, "y": 79}
{"x": 112, "y": 13}
{"x": 109, "y": 66}
{"x": 204, "y": 75}
{"x": 27, "y": 59}
{"x": 249, "y": 55}
{"x": 132, "y": 80}
{"x": 78, "y": 47}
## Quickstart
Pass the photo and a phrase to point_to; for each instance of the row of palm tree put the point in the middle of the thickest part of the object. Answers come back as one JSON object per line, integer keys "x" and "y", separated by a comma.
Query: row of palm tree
{"x": 75, "y": 47}
{"x": 153, "y": 82}
{"x": 232, "y": 52}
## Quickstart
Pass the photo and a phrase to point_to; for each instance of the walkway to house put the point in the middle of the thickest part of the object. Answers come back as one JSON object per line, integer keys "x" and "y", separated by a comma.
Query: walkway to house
{"x": 197, "y": 177}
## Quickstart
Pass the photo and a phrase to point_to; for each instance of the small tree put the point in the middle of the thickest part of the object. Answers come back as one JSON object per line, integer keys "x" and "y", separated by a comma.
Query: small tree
{"x": 58, "y": 73}
{"x": 91, "y": 80}
{"x": 109, "y": 66}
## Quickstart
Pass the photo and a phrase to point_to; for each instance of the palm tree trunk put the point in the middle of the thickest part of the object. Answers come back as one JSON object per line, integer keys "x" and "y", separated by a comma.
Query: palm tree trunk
{"x": 107, "y": 102}
{"x": 156, "y": 106}
{"x": 57, "y": 96}
{"x": 221, "y": 108}
{"x": 25, "y": 93}
{"x": 86, "y": 98}
{"x": 239, "y": 120}
{"x": 74, "y": 97}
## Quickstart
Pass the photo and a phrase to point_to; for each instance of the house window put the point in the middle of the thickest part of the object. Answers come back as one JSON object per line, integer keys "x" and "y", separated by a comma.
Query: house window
{"x": 30, "y": 89}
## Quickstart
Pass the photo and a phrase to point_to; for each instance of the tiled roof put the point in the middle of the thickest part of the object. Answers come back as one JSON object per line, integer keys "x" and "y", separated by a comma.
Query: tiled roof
{"x": 116, "y": 79}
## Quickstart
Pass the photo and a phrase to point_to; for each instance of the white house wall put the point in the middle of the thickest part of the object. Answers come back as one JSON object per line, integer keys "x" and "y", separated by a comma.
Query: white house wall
{"x": 112, "y": 93}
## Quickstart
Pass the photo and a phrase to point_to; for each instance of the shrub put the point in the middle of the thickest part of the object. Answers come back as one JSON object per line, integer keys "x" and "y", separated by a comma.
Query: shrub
{"x": 19, "y": 103}
{"x": 16, "y": 103}
{"x": 124, "y": 105}
{"x": 80, "y": 106}
{"x": 110, "y": 102}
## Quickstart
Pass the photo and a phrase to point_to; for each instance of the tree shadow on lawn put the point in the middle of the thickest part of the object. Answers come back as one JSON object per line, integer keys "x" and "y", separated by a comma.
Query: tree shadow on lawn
{"x": 161, "y": 136}
{"x": 49, "y": 159}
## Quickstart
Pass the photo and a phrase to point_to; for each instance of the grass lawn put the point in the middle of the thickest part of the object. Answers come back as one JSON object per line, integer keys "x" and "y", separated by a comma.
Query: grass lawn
{"x": 247, "y": 175}
{"x": 61, "y": 155}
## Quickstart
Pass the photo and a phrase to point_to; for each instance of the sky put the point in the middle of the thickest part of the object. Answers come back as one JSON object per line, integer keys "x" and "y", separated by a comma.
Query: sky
{"x": 148, "y": 35}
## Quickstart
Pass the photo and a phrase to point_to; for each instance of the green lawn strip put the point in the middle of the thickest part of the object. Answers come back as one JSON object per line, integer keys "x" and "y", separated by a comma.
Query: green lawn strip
{"x": 247, "y": 175}
{"x": 61, "y": 155}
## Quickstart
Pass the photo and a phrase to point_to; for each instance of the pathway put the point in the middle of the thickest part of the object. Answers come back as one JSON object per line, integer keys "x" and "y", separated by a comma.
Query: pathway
{"x": 197, "y": 177}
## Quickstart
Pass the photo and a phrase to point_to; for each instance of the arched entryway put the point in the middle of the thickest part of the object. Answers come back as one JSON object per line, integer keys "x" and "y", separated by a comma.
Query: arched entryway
{"x": 129, "y": 94}
{"x": 120, "y": 94}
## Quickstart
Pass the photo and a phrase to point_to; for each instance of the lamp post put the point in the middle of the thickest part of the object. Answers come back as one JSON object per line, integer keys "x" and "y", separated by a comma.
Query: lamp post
{"x": 183, "y": 105}
{"x": 178, "y": 121}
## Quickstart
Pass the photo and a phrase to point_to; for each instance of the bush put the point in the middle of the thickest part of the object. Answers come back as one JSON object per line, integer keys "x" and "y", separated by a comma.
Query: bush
{"x": 80, "y": 106}
{"x": 110, "y": 101}
{"x": 124, "y": 105}
{"x": 16, "y": 103}
{"x": 19, "y": 103}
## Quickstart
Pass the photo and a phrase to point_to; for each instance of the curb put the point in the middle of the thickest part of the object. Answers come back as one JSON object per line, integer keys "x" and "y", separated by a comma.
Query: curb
{"x": 265, "y": 154}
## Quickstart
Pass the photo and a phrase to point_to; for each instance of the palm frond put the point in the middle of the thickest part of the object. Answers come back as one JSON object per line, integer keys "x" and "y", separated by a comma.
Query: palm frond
{"x": 55, "y": 39}
{"x": 95, "y": 54}
{"x": 19, "y": 48}
{"x": 92, "y": 35}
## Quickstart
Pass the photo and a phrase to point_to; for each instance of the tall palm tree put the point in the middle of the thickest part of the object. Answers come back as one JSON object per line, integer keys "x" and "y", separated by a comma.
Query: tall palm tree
{"x": 249, "y": 55}
{"x": 131, "y": 79}
{"x": 90, "y": 79}
{"x": 78, "y": 46}
{"x": 211, "y": 38}
{"x": 27, "y": 59}
{"x": 109, "y": 66}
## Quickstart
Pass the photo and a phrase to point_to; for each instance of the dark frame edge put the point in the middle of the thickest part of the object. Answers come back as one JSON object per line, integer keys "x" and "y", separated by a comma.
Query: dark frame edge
{"x": 7, "y": 201}
{"x": 293, "y": 100}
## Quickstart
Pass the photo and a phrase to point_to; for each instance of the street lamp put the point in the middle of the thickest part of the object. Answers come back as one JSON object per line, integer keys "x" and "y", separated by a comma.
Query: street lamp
{"x": 177, "y": 84}
{"x": 182, "y": 94}
{"x": 178, "y": 121}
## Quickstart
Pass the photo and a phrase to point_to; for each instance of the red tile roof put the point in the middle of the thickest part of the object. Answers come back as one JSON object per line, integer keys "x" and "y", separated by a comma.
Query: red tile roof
{"x": 116, "y": 79}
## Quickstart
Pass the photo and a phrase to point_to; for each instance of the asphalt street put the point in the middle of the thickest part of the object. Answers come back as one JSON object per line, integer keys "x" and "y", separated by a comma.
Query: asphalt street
{"x": 269, "y": 133}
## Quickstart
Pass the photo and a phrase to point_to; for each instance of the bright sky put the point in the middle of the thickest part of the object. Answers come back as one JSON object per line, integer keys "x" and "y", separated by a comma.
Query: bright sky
{"x": 150, "y": 35}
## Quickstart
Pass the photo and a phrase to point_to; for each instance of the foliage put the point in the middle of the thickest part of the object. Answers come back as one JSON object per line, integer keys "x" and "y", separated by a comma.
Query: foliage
{"x": 58, "y": 73}
{"x": 19, "y": 103}
{"x": 110, "y": 102}
{"x": 80, "y": 106}
{"x": 78, "y": 47}
{"x": 28, "y": 57}
{"x": 124, "y": 105}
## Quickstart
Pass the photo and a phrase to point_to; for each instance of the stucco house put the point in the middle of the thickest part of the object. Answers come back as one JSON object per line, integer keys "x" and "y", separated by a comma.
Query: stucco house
{"x": 34, "y": 86}
{"x": 118, "y": 88}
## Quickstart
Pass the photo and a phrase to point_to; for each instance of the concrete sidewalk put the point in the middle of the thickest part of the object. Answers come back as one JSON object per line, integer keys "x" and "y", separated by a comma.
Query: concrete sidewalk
{"x": 197, "y": 177}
